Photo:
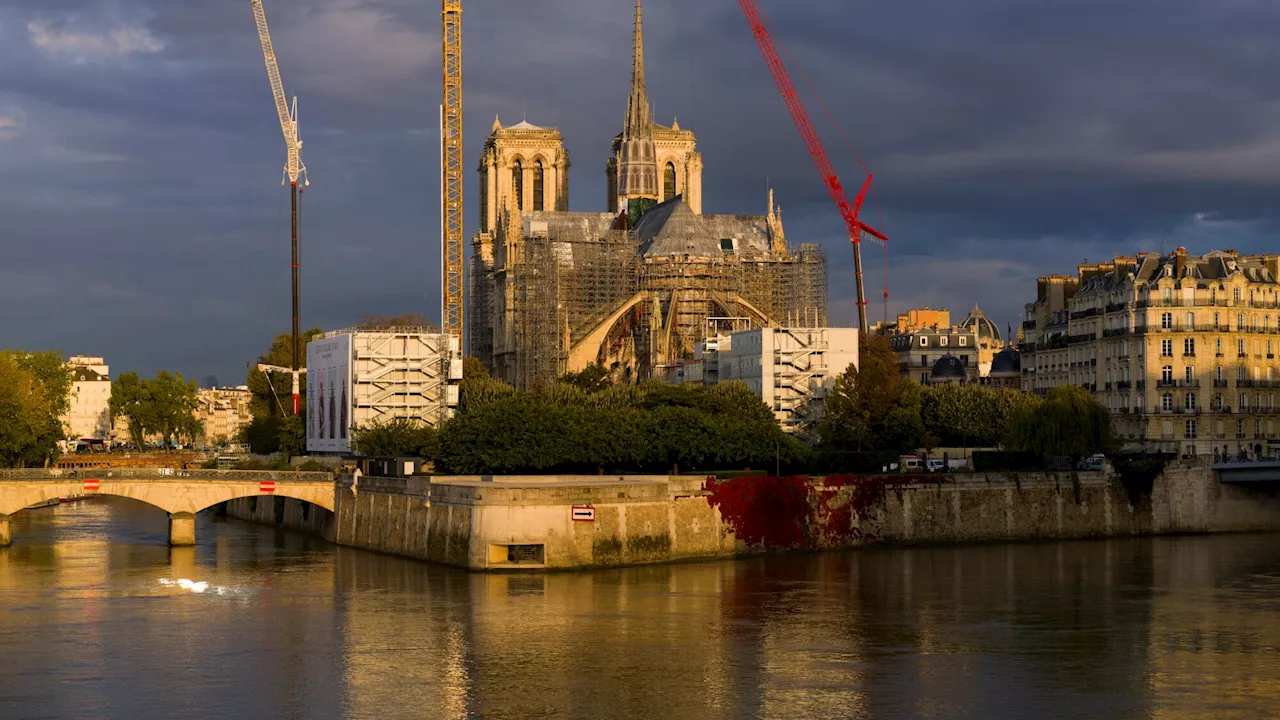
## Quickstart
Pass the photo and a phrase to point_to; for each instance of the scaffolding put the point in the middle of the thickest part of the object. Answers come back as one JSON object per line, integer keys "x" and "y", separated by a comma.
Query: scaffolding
{"x": 566, "y": 284}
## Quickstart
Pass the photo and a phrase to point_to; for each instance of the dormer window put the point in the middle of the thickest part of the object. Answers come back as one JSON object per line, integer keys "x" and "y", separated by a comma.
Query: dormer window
{"x": 727, "y": 244}
{"x": 924, "y": 342}
{"x": 962, "y": 343}
{"x": 942, "y": 341}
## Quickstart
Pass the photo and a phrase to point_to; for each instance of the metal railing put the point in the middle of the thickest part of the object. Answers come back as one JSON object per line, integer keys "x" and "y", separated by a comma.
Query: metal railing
{"x": 162, "y": 473}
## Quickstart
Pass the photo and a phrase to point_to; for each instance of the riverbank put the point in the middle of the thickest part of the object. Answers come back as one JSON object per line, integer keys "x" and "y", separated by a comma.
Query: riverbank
{"x": 564, "y": 522}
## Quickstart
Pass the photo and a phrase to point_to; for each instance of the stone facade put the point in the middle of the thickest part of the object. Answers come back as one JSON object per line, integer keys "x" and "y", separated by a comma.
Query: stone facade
{"x": 1180, "y": 348}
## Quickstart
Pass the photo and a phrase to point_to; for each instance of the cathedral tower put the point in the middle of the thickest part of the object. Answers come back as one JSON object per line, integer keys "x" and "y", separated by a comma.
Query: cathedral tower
{"x": 637, "y": 162}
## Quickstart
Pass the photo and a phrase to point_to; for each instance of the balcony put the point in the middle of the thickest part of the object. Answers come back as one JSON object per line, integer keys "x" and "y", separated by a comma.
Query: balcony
{"x": 1081, "y": 338}
{"x": 1166, "y": 383}
{"x": 1220, "y": 383}
{"x": 1115, "y": 332}
{"x": 1081, "y": 314}
{"x": 1122, "y": 385}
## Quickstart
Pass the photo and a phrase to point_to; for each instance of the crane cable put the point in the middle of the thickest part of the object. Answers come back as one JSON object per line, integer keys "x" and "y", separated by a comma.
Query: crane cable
{"x": 875, "y": 196}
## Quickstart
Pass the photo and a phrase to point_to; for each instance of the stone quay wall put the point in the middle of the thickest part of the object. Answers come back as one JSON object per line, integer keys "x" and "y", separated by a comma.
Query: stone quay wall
{"x": 527, "y": 523}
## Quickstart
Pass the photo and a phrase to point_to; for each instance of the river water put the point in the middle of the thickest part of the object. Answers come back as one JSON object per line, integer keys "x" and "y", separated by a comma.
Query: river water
{"x": 95, "y": 623}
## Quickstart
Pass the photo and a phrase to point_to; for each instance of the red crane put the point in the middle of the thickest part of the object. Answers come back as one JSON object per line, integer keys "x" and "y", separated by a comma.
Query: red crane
{"x": 849, "y": 211}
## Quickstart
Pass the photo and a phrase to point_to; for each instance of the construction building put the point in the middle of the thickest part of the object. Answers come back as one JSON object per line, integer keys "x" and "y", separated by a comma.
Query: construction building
{"x": 636, "y": 287}
{"x": 1180, "y": 348}
{"x": 791, "y": 369}
{"x": 360, "y": 377}
{"x": 89, "y": 413}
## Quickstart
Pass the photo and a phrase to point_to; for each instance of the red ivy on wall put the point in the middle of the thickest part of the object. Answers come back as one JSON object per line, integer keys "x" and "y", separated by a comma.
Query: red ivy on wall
{"x": 800, "y": 511}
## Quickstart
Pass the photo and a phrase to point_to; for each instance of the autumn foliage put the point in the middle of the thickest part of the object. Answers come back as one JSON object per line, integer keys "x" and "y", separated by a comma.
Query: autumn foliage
{"x": 801, "y": 511}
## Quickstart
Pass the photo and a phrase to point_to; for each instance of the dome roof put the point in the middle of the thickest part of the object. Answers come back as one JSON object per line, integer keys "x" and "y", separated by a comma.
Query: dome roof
{"x": 978, "y": 321}
{"x": 1007, "y": 362}
{"x": 948, "y": 367}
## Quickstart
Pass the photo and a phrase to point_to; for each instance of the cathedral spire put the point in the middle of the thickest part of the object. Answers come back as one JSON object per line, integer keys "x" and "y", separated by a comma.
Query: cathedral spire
{"x": 639, "y": 121}
{"x": 637, "y": 155}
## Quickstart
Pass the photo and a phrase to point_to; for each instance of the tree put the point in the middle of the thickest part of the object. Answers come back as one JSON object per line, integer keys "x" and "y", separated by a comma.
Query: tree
{"x": 478, "y": 388}
{"x": 1069, "y": 422}
{"x": 164, "y": 405}
{"x": 29, "y": 427}
{"x": 870, "y": 406}
{"x": 400, "y": 437}
{"x": 593, "y": 378}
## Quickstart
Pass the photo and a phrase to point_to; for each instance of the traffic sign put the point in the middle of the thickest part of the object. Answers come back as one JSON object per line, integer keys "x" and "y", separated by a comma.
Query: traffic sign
{"x": 583, "y": 513}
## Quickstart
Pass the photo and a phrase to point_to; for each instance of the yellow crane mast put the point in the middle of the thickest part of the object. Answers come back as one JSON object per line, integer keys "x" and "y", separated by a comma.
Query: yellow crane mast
{"x": 452, "y": 309}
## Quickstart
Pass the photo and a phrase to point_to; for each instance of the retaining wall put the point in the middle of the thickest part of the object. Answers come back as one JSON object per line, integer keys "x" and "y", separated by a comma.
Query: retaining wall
{"x": 496, "y": 523}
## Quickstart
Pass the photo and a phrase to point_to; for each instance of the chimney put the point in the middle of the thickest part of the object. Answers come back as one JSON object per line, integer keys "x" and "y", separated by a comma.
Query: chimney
{"x": 1179, "y": 263}
{"x": 1042, "y": 288}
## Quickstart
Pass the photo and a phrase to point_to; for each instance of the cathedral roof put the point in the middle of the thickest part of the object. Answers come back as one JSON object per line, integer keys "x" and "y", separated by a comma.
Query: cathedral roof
{"x": 525, "y": 125}
{"x": 673, "y": 228}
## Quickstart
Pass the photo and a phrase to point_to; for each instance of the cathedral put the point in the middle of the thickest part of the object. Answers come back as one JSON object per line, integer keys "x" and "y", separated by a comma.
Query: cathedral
{"x": 635, "y": 287}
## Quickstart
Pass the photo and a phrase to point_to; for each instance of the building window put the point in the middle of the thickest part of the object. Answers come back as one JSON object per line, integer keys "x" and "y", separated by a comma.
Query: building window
{"x": 1239, "y": 423}
{"x": 1166, "y": 348}
{"x": 1191, "y": 321}
{"x": 669, "y": 182}
{"x": 1257, "y": 400}
{"x": 1189, "y": 402}
{"x": 1217, "y": 373}
{"x": 538, "y": 187}
{"x": 1218, "y": 345}
{"x": 1217, "y": 402}
{"x": 1166, "y": 373}
{"x": 1166, "y": 320}
{"x": 1240, "y": 348}
{"x": 1166, "y": 402}
{"x": 1189, "y": 346}
{"x": 1240, "y": 322}
{"x": 924, "y": 342}
{"x": 1244, "y": 402}
{"x": 517, "y": 184}
{"x": 942, "y": 341}
{"x": 962, "y": 343}
{"x": 1235, "y": 295}
{"x": 1167, "y": 294}
{"x": 1190, "y": 431}
{"x": 1189, "y": 373}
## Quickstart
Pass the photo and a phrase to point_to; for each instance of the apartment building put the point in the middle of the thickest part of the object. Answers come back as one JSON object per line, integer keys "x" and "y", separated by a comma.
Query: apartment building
{"x": 1180, "y": 348}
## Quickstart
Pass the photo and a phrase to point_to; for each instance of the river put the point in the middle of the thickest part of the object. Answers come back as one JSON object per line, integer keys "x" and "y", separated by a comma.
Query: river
{"x": 100, "y": 619}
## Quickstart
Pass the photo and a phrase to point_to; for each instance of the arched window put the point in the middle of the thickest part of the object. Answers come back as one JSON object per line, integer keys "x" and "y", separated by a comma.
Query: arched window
{"x": 669, "y": 182}
{"x": 1166, "y": 402}
{"x": 537, "y": 186}
{"x": 484, "y": 202}
{"x": 517, "y": 184}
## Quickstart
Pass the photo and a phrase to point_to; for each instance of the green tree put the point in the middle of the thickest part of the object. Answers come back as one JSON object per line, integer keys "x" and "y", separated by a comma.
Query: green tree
{"x": 478, "y": 388}
{"x": 1069, "y": 422}
{"x": 29, "y": 425}
{"x": 593, "y": 378}
{"x": 400, "y": 437}
{"x": 164, "y": 405}
{"x": 871, "y": 407}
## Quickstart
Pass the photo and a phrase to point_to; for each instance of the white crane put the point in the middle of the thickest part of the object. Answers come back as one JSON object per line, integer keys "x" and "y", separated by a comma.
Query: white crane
{"x": 292, "y": 169}
{"x": 294, "y": 166}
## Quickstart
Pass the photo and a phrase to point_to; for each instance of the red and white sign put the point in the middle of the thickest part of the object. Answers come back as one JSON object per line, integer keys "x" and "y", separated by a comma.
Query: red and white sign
{"x": 583, "y": 513}
{"x": 267, "y": 486}
{"x": 91, "y": 485}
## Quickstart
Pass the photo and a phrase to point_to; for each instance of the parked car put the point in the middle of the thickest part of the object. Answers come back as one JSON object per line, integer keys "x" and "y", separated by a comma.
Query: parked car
{"x": 1092, "y": 463}
{"x": 938, "y": 465}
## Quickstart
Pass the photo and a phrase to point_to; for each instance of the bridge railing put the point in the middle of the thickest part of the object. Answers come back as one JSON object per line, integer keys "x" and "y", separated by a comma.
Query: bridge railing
{"x": 160, "y": 473}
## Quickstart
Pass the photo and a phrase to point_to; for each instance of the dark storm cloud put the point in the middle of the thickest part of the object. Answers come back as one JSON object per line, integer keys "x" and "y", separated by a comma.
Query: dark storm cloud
{"x": 144, "y": 218}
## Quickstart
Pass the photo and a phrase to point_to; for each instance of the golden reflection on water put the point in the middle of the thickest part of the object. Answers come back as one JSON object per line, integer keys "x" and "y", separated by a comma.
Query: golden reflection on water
{"x": 290, "y": 627}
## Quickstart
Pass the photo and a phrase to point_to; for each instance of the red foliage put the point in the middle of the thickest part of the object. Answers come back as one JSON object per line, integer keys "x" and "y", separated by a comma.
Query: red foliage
{"x": 800, "y": 511}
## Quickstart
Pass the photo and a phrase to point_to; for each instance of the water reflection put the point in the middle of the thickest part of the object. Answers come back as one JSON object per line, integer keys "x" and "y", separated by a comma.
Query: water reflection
{"x": 1162, "y": 628}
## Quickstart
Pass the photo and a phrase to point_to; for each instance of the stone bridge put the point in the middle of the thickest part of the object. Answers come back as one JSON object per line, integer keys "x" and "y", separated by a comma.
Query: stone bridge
{"x": 181, "y": 493}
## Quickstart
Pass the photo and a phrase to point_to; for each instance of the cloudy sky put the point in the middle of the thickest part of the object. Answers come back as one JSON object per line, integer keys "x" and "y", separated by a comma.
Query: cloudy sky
{"x": 140, "y": 156}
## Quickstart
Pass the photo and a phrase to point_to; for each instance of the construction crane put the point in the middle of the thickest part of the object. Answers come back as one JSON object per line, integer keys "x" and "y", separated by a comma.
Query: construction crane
{"x": 293, "y": 169}
{"x": 452, "y": 309}
{"x": 848, "y": 211}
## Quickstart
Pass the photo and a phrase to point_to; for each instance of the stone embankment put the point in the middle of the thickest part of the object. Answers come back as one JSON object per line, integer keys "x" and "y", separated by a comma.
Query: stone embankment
{"x": 497, "y": 523}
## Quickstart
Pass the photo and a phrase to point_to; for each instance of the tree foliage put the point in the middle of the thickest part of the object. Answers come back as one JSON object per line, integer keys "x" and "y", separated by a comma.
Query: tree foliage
{"x": 591, "y": 379}
{"x": 1069, "y": 422}
{"x": 871, "y": 407}
{"x": 34, "y": 394}
{"x": 164, "y": 405}
{"x": 653, "y": 427}
{"x": 972, "y": 415}
{"x": 400, "y": 437}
